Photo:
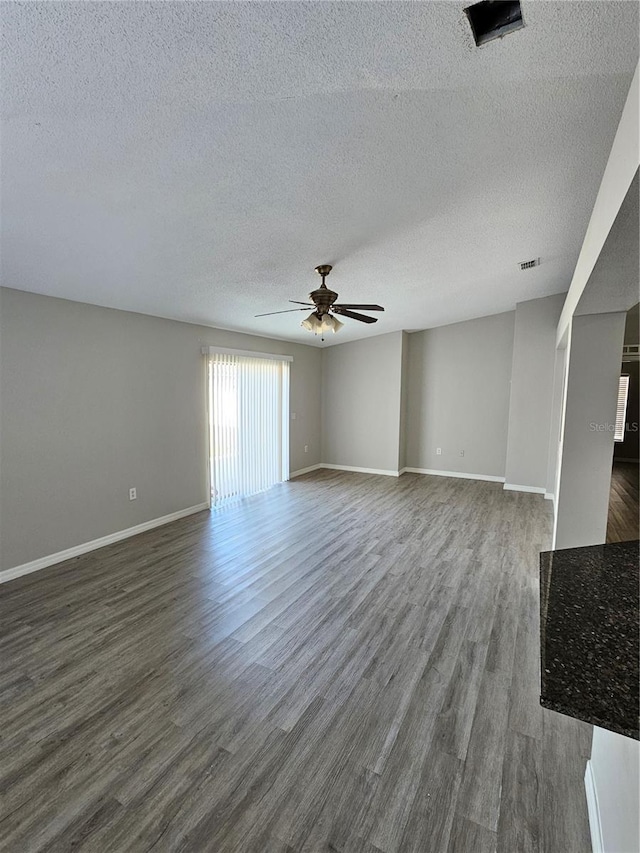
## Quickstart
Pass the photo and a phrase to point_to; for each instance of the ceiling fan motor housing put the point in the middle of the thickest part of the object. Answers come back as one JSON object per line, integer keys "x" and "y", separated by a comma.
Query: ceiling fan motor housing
{"x": 323, "y": 298}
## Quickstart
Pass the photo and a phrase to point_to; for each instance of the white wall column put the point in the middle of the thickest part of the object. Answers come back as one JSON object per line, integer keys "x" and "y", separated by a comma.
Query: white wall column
{"x": 555, "y": 434}
{"x": 613, "y": 792}
{"x": 581, "y": 511}
{"x": 587, "y": 450}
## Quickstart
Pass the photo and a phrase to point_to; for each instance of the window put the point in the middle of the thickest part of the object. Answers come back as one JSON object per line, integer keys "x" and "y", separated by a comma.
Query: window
{"x": 248, "y": 423}
{"x": 621, "y": 411}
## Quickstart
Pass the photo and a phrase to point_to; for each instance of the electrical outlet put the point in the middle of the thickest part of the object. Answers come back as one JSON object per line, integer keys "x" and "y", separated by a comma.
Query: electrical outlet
{"x": 293, "y": 416}
{"x": 132, "y": 494}
{"x": 462, "y": 453}
{"x": 306, "y": 448}
{"x": 438, "y": 451}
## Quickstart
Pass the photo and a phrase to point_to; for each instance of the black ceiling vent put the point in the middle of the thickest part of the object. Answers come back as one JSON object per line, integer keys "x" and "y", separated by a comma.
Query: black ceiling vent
{"x": 526, "y": 265}
{"x": 492, "y": 19}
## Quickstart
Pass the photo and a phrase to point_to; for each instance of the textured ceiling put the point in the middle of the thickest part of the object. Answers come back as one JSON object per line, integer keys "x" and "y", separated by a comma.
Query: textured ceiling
{"x": 197, "y": 160}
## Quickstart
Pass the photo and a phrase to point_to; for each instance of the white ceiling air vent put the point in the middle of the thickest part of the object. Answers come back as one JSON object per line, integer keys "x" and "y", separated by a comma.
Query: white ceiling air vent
{"x": 526, "y": 265}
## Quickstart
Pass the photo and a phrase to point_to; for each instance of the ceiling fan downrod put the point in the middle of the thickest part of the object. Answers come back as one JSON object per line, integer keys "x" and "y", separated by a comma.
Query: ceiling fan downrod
{"x": 323, "y": 270}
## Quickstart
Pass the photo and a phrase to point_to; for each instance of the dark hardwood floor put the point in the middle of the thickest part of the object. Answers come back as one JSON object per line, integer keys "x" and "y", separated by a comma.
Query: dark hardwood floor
{"x": 346, "y": 663}
{"x": 623, "y": 522}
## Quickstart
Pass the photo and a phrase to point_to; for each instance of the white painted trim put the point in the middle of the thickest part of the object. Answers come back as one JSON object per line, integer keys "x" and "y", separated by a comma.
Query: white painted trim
{"x": 549, "y": 496}
{"x": 388, "y": 473}
{"x": 593, "y": 810}
{"x": 78, "y": 550}
{"x": 245, "y": 352}
{"x": 302, "y": 471}
{"x": 488, "y": 477}
{"x": 536, "y": 490}
{"x": 383, "y": 471}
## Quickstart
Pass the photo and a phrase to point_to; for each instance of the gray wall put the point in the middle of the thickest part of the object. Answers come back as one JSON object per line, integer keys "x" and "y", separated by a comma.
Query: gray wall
{"x": 530, "y": 405}
{"x": 459, "y": 396}
{"x": 93, "y": 401}
{"x": 361, "y": 402}
{"x": 582, "y": 502}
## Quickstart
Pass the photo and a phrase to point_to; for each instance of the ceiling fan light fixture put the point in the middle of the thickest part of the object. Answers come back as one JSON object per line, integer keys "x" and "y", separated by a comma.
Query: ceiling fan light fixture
{"x": 320, "y": 325}
{"x": 312, "y": 323}
{"x": 330, "y": 324}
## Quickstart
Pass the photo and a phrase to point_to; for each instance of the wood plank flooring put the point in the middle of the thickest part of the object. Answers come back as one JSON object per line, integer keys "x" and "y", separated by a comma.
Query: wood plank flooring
{"x": 623, "y": 522}
{"x": 345, "y": 663}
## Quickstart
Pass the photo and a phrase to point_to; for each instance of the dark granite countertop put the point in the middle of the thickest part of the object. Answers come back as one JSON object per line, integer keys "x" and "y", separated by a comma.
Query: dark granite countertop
{"x": 589, "y": 634}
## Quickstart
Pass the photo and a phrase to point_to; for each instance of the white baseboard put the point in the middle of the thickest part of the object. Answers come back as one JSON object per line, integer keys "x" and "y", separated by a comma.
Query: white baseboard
{"x": 383, "y": 471}
{"x": 536, "y": 490}
{"x": 85, "y": 547}
{"x": 388, "y": 473}
{"x": 549, "y": 496}
{"x": 593, "y": 810}
{"x": 308, "y": 470}
{"x": 353, "y": 468}
{"x": 488, "y": 477}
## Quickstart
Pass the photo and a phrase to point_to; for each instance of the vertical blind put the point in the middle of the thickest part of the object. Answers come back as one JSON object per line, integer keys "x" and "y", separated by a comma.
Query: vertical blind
{"x": 248, "y": 424}
{"x": 621, "y": 408}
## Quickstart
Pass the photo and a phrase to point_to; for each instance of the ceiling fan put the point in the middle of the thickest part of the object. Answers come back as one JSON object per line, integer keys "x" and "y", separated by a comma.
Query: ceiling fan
{"x": 322, "y": 319}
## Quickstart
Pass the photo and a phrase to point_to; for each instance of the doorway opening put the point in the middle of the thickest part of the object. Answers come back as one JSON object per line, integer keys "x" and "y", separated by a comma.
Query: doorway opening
{"x": 624, "y": 502}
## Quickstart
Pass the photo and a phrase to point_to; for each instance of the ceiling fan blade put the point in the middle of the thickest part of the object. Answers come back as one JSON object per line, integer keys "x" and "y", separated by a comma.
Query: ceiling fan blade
{"x": 345, "y": 313}
{"x": 363, "y": 307}
{"x": 286, "y": 311}
{"x": 295, "y": 302}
